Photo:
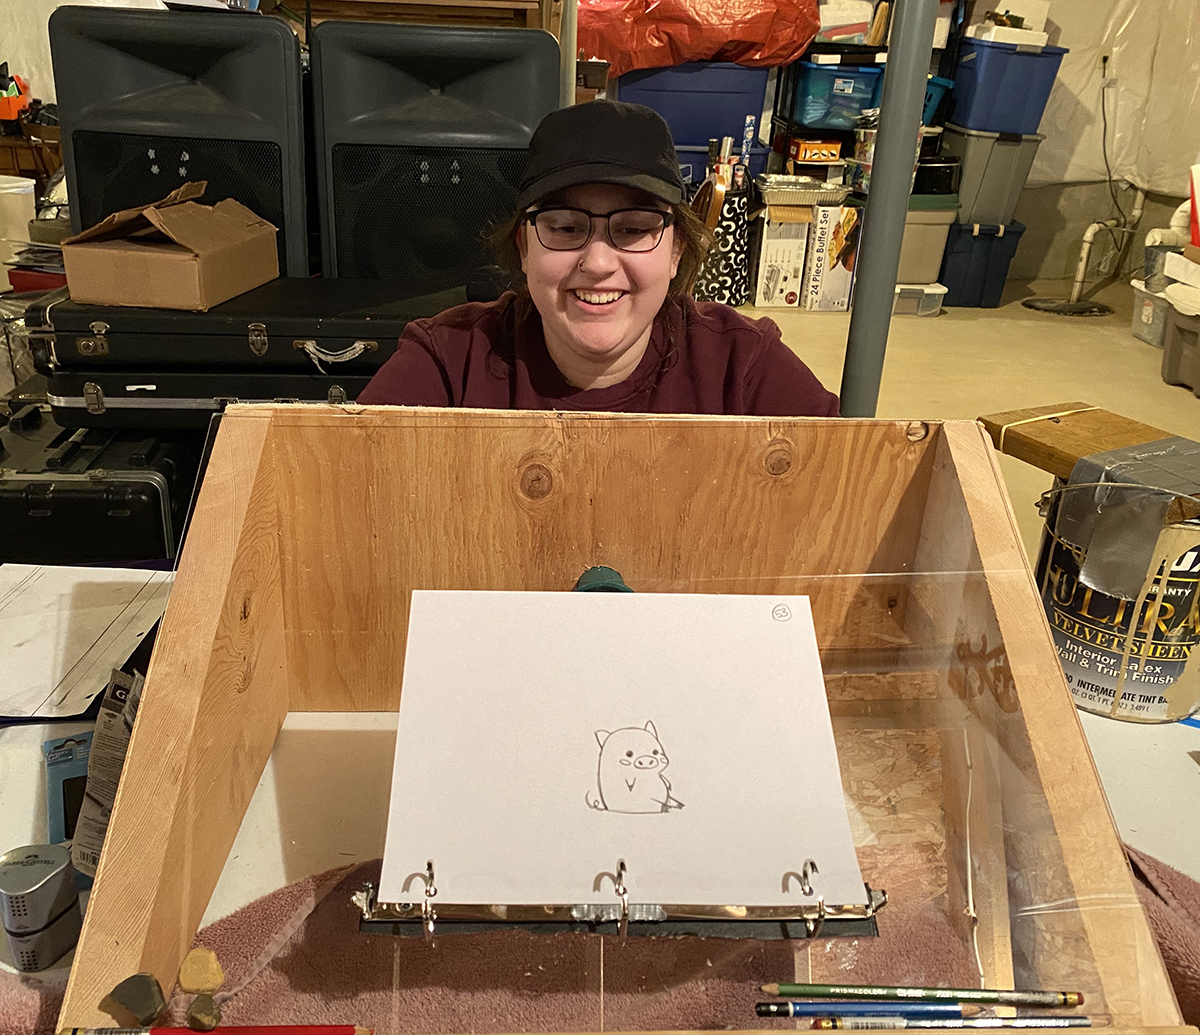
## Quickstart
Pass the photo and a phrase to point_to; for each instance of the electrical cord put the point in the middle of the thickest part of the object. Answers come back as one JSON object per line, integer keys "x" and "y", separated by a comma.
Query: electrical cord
{"x": 1118, "y": 240}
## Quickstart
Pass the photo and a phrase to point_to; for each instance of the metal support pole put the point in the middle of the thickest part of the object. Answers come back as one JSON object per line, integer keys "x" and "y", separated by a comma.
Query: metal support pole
{"x": 878, "y": 260}
{"x": 567, "y": 48}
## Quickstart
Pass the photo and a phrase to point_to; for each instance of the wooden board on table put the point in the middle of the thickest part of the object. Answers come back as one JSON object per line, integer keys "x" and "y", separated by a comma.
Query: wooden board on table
{"x": 1054, "y": 437}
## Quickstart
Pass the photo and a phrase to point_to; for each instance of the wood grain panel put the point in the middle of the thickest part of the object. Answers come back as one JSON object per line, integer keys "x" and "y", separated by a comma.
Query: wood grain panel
{"x": 1055, "y": 443}
{"x": 214, "y": 699}
{"x": 1045, "y": 757}
{"x": 405, "y": 499}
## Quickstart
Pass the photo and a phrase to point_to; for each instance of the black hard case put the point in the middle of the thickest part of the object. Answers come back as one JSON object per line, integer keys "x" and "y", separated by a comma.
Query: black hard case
{"x": 289, "y": 326}
{"x": 87, "y": 495}
{"x": 181, "y": 399}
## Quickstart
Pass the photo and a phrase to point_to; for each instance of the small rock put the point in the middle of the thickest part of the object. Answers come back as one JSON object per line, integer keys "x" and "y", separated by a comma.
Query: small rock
{"x": 201, "y": 972}
{"x": 142, "y": 996}
{"x": 203, "y": 1014}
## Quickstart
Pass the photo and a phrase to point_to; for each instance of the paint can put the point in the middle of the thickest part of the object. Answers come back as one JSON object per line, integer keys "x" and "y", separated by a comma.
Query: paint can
{"x": 1135, "y": 658}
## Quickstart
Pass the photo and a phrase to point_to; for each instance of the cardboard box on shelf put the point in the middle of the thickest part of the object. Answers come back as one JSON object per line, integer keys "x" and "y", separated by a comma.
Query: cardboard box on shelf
{"x": 829, "y": 266}
{"x": 174, "y": 254}
{"x": 782, "y": 240}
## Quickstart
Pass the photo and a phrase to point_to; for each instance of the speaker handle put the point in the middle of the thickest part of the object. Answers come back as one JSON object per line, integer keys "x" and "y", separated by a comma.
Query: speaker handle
{"x": 318, "y": 354}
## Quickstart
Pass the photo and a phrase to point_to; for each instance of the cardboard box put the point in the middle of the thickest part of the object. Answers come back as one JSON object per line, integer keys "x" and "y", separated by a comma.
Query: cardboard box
{"x": 829, "y": 267}
{"x": 782, "y": 242}
{"x": 174, "y": 254}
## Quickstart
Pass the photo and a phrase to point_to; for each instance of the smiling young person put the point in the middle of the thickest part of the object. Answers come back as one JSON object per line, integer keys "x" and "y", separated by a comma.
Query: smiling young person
{"x": 605, "y": 252}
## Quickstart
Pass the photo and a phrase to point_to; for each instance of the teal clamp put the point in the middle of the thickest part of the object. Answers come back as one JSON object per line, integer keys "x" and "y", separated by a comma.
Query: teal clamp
{"x": 601, "y": 579}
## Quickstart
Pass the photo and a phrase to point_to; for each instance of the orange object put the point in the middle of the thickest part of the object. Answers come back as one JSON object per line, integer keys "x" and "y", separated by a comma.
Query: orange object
{"x": 814, "y": 150}
{"x": 11, "y": 107}
{"x": 640, "y": 34}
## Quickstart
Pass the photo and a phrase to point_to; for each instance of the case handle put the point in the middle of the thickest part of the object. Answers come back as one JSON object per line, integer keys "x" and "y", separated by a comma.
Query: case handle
{"x": 319, "y": 355}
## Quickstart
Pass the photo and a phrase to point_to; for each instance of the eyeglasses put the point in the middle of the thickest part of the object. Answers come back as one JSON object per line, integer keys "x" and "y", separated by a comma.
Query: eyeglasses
{"x": 629, "y": 229}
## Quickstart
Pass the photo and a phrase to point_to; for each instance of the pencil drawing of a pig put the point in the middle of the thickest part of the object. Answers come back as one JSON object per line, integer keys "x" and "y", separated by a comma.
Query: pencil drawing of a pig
{"x": 630, "y": 772}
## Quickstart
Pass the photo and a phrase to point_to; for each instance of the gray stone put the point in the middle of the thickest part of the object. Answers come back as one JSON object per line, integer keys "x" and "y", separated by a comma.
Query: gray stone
{"x": 203, "y": 1014}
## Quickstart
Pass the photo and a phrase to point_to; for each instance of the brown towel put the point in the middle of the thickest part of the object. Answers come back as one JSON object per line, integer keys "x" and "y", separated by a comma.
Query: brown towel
{"x": 1172, "y": 903}
{"x": 296, "y": 956}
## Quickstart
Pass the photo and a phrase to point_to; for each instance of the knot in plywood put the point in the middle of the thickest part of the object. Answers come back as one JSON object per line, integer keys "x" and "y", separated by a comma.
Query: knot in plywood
{"x": 536, "y": 481}
{"x": 916, "y": 431}
{"x": 778, "y": 459}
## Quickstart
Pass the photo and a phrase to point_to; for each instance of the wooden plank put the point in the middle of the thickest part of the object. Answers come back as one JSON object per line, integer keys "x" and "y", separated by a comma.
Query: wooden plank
{"x": 528, "y": 500}
{"x": 1056, "y": 436}
{"x": 215, "y": 697}
{"x": 1046, "y": 759}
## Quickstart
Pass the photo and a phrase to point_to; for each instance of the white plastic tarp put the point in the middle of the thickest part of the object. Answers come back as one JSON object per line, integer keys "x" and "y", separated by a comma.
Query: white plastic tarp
{"x": 1152, "y": 96}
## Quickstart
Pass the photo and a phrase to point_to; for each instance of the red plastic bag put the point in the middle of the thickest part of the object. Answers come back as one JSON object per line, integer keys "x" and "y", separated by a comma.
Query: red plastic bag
{"x": 636, "y": 34}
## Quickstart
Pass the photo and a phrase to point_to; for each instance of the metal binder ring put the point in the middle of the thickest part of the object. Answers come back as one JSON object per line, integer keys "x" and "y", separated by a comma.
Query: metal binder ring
{"x": 814, "y": 925}
{"x": 618, "y": 880}
{"x": 804, "y": 877}
{"x": 428, "y": 916}
{"x": 623, "y": 894}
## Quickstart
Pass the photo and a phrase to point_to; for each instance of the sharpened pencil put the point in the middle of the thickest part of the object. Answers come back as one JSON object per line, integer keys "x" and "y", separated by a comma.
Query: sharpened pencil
{"x": 873, "y": 1008}
{"x": 1006, "y": 997}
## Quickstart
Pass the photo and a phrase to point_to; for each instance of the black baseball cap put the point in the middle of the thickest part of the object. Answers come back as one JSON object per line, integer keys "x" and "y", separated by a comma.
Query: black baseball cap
{"x": 601, "y": 142}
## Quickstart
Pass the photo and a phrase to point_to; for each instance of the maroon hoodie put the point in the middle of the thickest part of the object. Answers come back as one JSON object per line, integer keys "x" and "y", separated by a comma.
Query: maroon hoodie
{"x": 702, "y": 358}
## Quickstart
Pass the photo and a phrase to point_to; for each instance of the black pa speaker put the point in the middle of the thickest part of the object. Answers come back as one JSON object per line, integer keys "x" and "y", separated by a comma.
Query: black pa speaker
{"x": 421, "y": 134}
{"x": 148, "y": 100}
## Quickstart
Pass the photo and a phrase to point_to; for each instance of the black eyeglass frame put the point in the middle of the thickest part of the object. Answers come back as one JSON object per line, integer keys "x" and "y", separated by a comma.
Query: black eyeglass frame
{"x": 668, "y": 218}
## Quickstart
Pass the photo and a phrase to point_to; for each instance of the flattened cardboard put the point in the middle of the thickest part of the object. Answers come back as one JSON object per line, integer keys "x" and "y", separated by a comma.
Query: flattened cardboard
{"x": 174, "y": 254}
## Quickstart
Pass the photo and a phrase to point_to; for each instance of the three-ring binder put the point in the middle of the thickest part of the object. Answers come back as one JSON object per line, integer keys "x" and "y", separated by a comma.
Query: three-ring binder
{"x": 807, "y": 919}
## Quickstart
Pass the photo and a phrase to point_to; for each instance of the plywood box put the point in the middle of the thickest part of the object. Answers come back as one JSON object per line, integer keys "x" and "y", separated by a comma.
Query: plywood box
{"x": 971, "y": 786}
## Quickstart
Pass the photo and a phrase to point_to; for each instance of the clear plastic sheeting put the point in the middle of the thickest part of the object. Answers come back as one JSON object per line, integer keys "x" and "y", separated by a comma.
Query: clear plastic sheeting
{"x": 1152, "y": 96}
{"x": 637, "y": 34}
{"x": 972, "y": 803}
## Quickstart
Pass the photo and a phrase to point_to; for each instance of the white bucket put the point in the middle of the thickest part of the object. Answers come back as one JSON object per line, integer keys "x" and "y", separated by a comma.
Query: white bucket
{"x": 17, "y": 208}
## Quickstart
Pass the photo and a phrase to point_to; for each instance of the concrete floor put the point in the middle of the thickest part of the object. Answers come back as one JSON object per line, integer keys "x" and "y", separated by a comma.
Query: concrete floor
{"x": 968, "y": 362}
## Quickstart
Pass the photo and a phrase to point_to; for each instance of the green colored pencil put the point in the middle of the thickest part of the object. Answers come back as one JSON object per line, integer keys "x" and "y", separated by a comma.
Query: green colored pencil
{"x": 1007, "y": 997}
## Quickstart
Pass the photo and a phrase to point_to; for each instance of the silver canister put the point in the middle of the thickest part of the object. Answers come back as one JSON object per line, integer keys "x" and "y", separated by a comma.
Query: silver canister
{"x": 39, "y": 904}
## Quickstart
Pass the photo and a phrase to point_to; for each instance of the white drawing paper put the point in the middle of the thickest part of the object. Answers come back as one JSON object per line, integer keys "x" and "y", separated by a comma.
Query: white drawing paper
{"x": 543, "y": 737}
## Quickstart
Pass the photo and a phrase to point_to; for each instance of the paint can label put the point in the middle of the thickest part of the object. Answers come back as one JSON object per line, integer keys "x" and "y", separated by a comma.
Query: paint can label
{"x": 1131, "y": 659}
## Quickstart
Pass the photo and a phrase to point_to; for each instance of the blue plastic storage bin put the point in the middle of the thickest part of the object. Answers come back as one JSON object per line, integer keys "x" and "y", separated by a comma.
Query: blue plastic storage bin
{"x": 1002, "y": 88}
{"x": 701, "y": 99}
{"x": 935, "y": 90}
{"x": 975, "y": 264}
{"x": 693, "y": 161}
{"x": 833, "y": 96}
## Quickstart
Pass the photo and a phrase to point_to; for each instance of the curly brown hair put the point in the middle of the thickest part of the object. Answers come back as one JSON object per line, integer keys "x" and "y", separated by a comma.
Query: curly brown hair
{"x": 696, "y": 236}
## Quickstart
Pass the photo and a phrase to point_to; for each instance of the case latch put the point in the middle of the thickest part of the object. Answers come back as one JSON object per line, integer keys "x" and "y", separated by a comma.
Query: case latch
{"x": 336, "y": 396}
{"x": 93, "y": 397}
{"x": 258, "y": 338}
{"x": 97, "y": 344}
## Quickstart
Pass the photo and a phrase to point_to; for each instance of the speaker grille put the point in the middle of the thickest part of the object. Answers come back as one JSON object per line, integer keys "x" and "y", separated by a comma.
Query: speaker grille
{"x": 418, "y": 214}
{"x": 115, "y": 171}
